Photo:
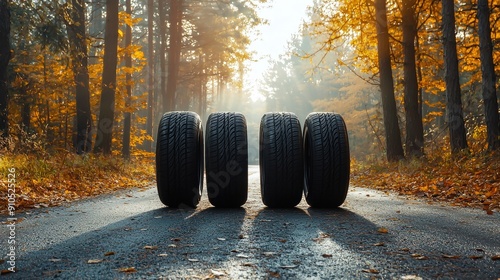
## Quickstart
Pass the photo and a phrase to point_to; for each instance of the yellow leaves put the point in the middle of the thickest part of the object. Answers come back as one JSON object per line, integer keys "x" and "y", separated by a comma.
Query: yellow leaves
{"x": 66, "y": 177}
{"x": 383, "y": 230}
{"x": 472, "y": 181}
{"x": 127, "y": 269}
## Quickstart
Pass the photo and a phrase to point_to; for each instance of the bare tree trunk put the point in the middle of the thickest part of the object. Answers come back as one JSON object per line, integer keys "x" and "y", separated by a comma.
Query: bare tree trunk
{"x": 127, "y": 123}
{"x": 453, "y": 92}
{"x": 4, "y": 63}
{"x": 489, "y": 77}
{"x": 414, "y": 126}
{"x": 107, "y": 106}
{"x": 174, "y": 52}
{"x": 392, "y": 131}
{"x": 151, "y": 75}
{"x": 78, "y": 45}
{"x": 163, "y": 53}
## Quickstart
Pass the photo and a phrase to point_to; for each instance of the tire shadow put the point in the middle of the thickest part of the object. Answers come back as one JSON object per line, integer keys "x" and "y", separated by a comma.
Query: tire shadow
{"x": 163, "y": 241}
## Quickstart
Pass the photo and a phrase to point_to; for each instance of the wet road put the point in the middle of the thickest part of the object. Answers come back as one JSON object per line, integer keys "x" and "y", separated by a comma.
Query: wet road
{"x": 131, "y": 235}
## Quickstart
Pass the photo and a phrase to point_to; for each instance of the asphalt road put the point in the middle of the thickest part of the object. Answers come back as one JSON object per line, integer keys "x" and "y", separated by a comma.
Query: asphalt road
{"x": 374, "y": 235}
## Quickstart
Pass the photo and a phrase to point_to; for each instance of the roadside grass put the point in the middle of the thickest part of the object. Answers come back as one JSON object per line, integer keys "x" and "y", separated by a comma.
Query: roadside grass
{"x": 470, "y": 180}
{"x": 44, "y": 180}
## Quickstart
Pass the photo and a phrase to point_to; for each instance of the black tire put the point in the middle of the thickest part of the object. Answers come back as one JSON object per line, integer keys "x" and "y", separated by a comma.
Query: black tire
{"x": 179, "y": 159}
{"x": 226, "y": 159}
{"x": 281, "y": 160}
{"x": 327, "y": 160}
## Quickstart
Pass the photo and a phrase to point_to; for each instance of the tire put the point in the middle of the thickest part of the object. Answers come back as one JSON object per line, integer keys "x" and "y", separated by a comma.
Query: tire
{"x": 179, "y": 159}
{"x": 281, "y": 160}
{"x": 226, "y": 159}
{"x": 327, "y": 160}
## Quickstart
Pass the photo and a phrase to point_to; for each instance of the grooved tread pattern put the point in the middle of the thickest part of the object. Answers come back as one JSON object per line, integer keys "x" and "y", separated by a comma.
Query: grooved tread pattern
{"x": 179, "y": 159}
{"x": 281, "y": 160}
{"x": 327, "y": 160}
{"x": 226, "y": 158}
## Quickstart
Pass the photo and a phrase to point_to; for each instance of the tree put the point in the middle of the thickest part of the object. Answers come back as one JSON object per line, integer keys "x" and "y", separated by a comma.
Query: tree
{"x": 107, "y": 103}
{"x": 455, "y": 117}
{"x": 414, "y": 126}
{"x": 488, "y": 74}
{"x": 78, "y": 49}
{"x": 174, "y": 52}
{"x": 4, "y": 63}
{"x": 151, "y": 74}
{"x": 392, "y": 132}
{"x": 128, "y": 63}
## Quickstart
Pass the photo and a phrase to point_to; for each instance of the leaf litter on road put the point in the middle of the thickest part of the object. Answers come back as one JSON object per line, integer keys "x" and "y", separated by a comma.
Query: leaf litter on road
{"x": 94, "y": 261}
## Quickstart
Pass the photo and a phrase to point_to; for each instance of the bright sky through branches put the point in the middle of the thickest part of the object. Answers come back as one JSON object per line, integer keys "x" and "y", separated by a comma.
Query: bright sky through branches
{"x": 284, "y": 18}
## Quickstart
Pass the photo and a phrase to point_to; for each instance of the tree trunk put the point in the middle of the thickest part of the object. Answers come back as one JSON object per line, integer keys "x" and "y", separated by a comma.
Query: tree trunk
{"x": 455, "y": 117}
{"x": 127, "y": 123}
{"x": 392, "y": 131}
{"x": 96, "y": 29}
{"x": 79, "y": 57}
{"x": 163, "y": 53}
{"x": 414, "y": 126}
{"x": 174, "y": 52}
{"x": 489, "y": 77}
{"x": 4, "y": 63}
{"x": 107, "y": 105}
{"x": 151, "y": 75}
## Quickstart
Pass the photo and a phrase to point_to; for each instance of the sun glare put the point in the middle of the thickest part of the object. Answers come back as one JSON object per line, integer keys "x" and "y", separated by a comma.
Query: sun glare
{"x": 284, "y": 19}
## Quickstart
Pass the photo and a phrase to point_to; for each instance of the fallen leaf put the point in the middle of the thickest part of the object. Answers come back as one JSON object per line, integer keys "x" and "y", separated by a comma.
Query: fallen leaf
{"x": 249, "y": 264}
{"x": 55, "y": 260}
{"x": 193, "y": 260}
{"x": 371, "y": 270}
{"x": 217, "y": 273}
{"x": 163, "y": 255}
{"x": 6, "y": 271}
{"x": 495, "y": 258}
{"x": 380, "y": 244}
{"x": 419, "y": 257}
{"x": 94, "y": 261}
{"x": 411, "y": 277}
{"x": 288, "y": 266}
{"x": 243, "y": 256}
{"x": 383, "y": 230}
{"x": 405, "y": 249}
{"x": 274, "y": 274}
{"x": 474, "y": 257}
{"x": 327, "y": 255}
{"x": 221, "y": 239}
{"x": 127, "y": 269}
{"x": 172, "y": 246}
{"x": 2, "y": 261}
{"x": 269, "y": 254}
{"x": 451, "y": 257}
{"x": 109, "y": 254}
{"x": 242, "y": 236}
{"x": 283, "y": 240}
{"x": 175, "y": 239}
{"x": 147, "y": 247}
{"x": 158, "y": 217}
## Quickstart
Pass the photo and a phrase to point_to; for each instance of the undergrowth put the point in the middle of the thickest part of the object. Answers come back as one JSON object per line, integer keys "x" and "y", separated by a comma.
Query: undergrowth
{"x": 471, "y": 180}
{"x": 44, "y": 180}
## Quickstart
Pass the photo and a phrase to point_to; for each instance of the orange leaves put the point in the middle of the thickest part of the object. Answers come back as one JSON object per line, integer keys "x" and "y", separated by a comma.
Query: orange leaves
{"x": 472, "y": 181}
{"x": 66, "y": 177}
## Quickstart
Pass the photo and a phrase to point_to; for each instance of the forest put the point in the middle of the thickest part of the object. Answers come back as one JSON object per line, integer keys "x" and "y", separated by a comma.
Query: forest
{"x": 83, "y": 85}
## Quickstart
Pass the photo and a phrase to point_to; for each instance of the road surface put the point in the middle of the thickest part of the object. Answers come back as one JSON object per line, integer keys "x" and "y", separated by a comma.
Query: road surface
{"x": 131, "y": 235}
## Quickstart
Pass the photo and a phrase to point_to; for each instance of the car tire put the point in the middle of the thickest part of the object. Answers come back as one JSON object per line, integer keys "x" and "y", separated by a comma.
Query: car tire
{"x": 179, "y": 159}
{"x": 281, "y": 160}
{"x": 226, "y": 159}
{"x": 326, "y": 159}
